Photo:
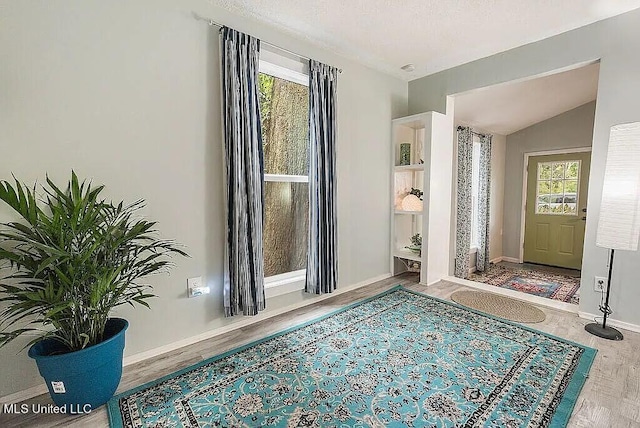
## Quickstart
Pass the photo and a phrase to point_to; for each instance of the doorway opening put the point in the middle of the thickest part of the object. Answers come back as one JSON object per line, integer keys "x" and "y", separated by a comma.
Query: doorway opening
{"x": 541, "y": 133}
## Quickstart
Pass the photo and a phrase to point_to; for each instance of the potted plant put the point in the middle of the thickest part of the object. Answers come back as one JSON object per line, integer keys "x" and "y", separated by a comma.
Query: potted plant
{"x": 71, "y": 259}
{"x": 416, "y": 244}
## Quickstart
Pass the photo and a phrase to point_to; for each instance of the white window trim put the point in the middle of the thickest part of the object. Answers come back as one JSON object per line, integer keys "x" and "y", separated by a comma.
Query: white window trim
{"x": 284, "y": 283}
{"x": 283, "y": 73}
{"x": 283, "y": 178}
{"x": 285, "y": 278}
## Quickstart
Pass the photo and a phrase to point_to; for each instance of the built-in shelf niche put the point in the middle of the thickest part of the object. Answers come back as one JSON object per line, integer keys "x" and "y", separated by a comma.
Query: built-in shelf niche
{"x": 429, "y": 160}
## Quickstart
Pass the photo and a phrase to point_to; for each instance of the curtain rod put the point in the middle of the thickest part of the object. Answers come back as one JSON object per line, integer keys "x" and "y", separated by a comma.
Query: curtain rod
{"x": 460, "y": 128}
{"x": 213, "y": 23}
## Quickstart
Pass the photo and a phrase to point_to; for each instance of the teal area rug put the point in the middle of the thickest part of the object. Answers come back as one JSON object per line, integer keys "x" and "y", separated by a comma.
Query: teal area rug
{"x": 397, "y": 359}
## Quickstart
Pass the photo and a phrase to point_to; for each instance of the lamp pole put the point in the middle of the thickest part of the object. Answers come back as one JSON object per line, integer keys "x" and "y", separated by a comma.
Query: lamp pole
{"x": 602, "y": 330}
{"x": 606, "y": 299}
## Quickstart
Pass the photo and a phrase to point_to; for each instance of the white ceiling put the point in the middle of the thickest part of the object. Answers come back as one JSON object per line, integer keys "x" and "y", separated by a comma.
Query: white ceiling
{"x": 510, "y": 107}
{"x": 432, "y": 34}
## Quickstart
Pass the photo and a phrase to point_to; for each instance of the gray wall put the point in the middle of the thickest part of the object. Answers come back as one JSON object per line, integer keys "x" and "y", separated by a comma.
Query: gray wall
{"x": 616, "y": 42}
{"x": 568, "y": 130}
{"x": 496, "y": 218}
{"x": 127, "y": 93}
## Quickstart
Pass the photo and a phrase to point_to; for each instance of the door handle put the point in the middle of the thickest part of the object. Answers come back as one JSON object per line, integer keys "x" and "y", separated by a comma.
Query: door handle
{"x": 584, "y": 218}
{"x": 584, "y": 210}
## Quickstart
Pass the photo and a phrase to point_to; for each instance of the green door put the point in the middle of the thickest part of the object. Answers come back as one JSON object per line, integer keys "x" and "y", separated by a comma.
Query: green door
{"x": 557, "y": 187}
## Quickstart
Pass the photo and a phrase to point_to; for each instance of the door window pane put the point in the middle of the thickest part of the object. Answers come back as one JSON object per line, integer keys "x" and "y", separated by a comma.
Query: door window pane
{"x": 572, "y": 170}
{"x": 544, "y": 188}
{"x": 571, "y": 186}
{"x": 557, "y": 170}
{"x": 557, "y": 188}
{"x": 544, "y": 171}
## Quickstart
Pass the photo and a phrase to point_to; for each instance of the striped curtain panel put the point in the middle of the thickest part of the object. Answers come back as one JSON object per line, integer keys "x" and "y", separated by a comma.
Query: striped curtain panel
{"x": 244, "y": 263}
{"x": 484, "y": 194}
{"x": 463, "y": 202}
{"x": 322, "y": 256}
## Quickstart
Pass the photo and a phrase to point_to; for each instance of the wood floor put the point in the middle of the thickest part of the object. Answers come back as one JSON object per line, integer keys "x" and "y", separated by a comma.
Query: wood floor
{"x": 610, "y": 397}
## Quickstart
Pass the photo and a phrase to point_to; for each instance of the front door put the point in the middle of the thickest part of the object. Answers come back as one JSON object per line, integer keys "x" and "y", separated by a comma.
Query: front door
{"x": 557, "y": 187}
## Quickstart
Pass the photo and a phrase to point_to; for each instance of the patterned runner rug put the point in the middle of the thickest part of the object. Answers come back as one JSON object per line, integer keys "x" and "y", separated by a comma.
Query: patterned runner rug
{"x": 397, "y": 359}
{"x": 536, "y": 282}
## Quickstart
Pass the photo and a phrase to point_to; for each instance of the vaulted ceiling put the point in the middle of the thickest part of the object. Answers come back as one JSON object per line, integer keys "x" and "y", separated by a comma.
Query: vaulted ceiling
{"x": 510, "y": 107}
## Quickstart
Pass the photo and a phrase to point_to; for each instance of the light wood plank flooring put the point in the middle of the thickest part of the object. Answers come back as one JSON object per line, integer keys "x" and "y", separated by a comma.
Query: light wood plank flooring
{"x": 610, "y": 397}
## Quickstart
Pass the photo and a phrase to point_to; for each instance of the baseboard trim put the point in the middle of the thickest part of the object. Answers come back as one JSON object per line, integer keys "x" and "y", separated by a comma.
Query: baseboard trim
{"x": 142, "y": 356}
{"x": 26, "y": 394}
{"x": 541, "y": 301}
{"x": 504, "y": 259}
{"x": 615, "y": 323}
{"x": 136, "y": 358}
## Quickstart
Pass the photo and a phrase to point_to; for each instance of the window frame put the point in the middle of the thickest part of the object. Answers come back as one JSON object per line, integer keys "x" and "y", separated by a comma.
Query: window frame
{"x": 475, "y": 193}
{"x": 287, "y": 281}
{"x": 564, "y": 179}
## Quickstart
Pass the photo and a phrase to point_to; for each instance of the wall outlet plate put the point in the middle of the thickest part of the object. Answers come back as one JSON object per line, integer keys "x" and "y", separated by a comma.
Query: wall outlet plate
{"x": 196, "y": 287}
{"x": 600, "y": 283}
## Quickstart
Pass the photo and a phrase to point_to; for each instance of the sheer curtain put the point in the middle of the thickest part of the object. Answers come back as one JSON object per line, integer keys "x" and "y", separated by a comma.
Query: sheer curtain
{"x": 244, "y": 271}
{"x": 468, "y": 215}
{"x": 464, "y": 201}
{"x": 322, "y": 257}
{"x": 484, "y": 200}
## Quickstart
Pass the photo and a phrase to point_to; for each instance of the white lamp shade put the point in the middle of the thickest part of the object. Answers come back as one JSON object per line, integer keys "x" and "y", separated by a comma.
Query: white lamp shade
{"x": 619, "y": 222}
{"x": 411, "y": 203}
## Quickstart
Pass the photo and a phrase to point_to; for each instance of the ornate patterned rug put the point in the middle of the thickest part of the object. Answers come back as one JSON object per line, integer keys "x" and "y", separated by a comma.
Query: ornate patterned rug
{"x": 538, "y": 283}
{"x": 397, "y": 359}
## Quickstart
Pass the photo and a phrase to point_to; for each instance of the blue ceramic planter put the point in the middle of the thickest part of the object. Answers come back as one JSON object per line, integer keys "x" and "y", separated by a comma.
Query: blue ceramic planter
{"x": 84, "y": 378}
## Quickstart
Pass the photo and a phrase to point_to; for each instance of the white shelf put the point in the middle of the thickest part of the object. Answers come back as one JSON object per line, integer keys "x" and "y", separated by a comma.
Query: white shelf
{"x": 431, "y": 139}
{"x": 406, "y": 254}
{"x": 414, "y": 167}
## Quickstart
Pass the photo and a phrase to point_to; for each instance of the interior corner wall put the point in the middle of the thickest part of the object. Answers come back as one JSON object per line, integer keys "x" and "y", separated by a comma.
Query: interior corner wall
{"x": 572, "y": 129}
{"x": 496, "y": 210}
{"x": 128, "y": 94}
{"x": 616, "y": 42}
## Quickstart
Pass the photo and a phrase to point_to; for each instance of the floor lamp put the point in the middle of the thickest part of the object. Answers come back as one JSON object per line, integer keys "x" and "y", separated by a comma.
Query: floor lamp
{"x": 619, "y": 222}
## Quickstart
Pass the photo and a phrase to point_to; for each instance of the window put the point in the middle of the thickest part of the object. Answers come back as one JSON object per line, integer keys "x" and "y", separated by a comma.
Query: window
{"x": 475, "y": 187}
{"x": 284, "y": 116}
{"x": 557, "y": 188}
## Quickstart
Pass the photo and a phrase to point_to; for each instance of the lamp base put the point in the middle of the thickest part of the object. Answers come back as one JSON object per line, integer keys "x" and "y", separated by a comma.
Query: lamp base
{"x": 604, "y": 332}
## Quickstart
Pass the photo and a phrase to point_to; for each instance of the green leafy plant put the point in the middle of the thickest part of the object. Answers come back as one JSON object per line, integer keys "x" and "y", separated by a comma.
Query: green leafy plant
{"x": 416, "y": 192}
{"x": 416, "y": 244}
{"x": 71, "y": 259}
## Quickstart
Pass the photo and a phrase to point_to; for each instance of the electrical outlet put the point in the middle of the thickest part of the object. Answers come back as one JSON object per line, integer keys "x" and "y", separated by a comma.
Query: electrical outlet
{"x": 600, "y": 283}
{"x": 195, "y": 287}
